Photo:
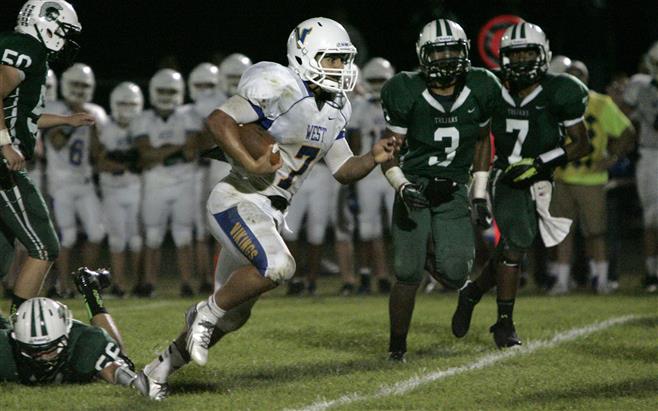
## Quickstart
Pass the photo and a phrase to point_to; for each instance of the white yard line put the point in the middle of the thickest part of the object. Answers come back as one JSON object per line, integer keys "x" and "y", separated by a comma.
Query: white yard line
{"x": 418, "y": 381}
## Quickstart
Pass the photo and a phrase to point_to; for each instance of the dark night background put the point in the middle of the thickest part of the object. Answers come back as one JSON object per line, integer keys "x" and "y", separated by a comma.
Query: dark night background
{"x": 126, "y": 40}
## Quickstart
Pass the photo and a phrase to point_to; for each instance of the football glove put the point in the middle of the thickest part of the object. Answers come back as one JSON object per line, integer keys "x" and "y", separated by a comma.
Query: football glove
{"x": 523, "y": 173}
{"x": 412, "y": 197}
{"x": 480, "y": 214}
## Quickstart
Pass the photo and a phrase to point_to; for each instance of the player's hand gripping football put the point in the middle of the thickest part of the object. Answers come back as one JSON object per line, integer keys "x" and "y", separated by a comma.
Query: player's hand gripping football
{"x": 385, "y": 149}
{"x": 268, "y": 163}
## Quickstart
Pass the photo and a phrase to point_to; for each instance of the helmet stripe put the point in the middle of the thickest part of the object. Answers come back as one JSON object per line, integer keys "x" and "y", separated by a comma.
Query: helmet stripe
{"x": 44, "y": 330}
{"x": 439, "y": 27}
{"x": 522, "y": 30}
{"x": 514, "y": 30}
{"x": 33, "y": 323}
{"x": 448, "y": 29}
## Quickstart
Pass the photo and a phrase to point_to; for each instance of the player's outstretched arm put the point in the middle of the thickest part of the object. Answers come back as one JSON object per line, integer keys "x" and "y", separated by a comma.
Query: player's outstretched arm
{"x": 357, "y": 167}
{"x": 10, "y": 78}
{"x": 74, "y": 120}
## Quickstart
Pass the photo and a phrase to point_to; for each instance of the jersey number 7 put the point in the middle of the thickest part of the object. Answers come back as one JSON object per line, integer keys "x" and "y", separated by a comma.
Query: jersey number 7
{"x": 309, "y": 154}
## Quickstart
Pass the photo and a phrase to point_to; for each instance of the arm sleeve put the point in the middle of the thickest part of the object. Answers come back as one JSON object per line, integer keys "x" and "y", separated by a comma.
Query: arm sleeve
{"x": 241, "y": 110}
{"x": 338, "y": 154}
{"x": 93, "y": 351}
{"x": 613, "y": 120}
{"x": 570, "y": 100}
{"x": 397, "y": 104}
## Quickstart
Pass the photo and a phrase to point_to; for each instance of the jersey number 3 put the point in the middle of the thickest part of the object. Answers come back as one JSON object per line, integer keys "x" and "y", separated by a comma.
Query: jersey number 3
{"x": 308, "y": 153}
{"x": 449, "y": 137}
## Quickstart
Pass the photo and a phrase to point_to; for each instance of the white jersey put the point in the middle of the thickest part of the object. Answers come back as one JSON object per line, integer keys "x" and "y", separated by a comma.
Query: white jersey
{"x": 70, "y": 164}
{"x": 642, "y": 95}
{"x": 368, "y": 118}
{"x": 305, "y": 133}
{"x": 160, "y": 132}
{"x": 113, "y": 137}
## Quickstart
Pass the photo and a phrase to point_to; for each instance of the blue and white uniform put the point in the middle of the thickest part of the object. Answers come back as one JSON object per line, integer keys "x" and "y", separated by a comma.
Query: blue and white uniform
{"x": 374, "y": 189}
{"x": 168, "y": 187}
{"x": 246, "y": 211}
{"x": 69, "y": 174}
{"x": 121, "y": 193}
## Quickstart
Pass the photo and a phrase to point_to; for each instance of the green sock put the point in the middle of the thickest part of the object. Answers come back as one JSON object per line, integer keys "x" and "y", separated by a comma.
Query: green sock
{"x": 94, "y": 302}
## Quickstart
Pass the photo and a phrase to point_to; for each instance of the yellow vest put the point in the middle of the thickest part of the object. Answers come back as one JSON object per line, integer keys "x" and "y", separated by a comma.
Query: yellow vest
{"x": 603, "y": 120}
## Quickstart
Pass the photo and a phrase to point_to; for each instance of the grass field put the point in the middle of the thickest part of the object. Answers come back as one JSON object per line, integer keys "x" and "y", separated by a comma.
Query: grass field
{"x": 580, "y": 352}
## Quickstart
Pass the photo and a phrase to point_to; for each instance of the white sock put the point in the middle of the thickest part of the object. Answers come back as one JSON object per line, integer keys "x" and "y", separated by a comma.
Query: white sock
{"x": 563, "y": 272}
{"x": 214, "y": 308}
{"x": 551, "y": 268}
{"x": 602, "y": 271}
{"x": 650, "y": 264}
{"x": 165, "y": 364}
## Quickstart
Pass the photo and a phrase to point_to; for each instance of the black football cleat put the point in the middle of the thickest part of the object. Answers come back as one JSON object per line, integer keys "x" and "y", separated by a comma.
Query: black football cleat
{"x": 397, "y": 356}
{"x": 461, "y": 319}
{"x": 84, "y": 278}
{"x": 504, "y": 334}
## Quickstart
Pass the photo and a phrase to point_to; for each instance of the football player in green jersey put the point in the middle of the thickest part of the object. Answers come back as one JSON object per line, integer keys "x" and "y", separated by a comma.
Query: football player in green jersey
{"x": 536, "y": 109}
{"x": 47, "y": 346}
{"x": 442, "y": 116}
{"x": 42, "y": 31}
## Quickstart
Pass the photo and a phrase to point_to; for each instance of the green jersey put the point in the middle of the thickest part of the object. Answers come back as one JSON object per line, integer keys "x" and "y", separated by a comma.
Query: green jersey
{"x": 528, "y": 127}
{"x": 23, "y": 106}
{"x": 89, "y": 350}
{"x": 440, "y": 134}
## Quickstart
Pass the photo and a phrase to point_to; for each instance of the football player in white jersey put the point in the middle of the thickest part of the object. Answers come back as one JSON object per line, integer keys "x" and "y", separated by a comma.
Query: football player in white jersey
{"x": 120, "y": 182}
{"x": 313, "y": 200}
{"x": 231, "y": 70}
{"x": 69, "y": 171}
{"x": 166, "y": 151}
{"x": 204, "y": 89}
{"x": 366, "y": 128}
{"x": 302, "y": 106}
{"x": 642, "y": 98}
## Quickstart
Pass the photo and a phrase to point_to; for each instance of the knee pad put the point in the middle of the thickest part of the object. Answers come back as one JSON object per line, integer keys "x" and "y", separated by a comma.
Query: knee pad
{"x": 135, "y": 243}
{"x": 96, "y": 234}
{"x": 68, "y": 237}
{"x": 117, "y": 243}
{"x": 154, "y": 236}
{"x": 280, "y": 267}
{"x": 370, "y": 229}
{"x": 651, "y": 216}
{"x": 453, "y": 272}
{"x": 182, "y": 235}
{"x": 408, "y": 273}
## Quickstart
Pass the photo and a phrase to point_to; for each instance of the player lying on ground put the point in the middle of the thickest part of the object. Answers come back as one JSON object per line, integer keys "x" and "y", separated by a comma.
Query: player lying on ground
{"x": 47, "y": 346}
{"x": 305, "y": 110}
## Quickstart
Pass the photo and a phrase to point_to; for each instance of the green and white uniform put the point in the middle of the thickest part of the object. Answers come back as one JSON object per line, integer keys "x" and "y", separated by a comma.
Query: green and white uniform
{"x": 526, "y": 128}
{"x": 89, "y": 350}
{"x": 23, "y": 213}
{"x": 440, "y": 143}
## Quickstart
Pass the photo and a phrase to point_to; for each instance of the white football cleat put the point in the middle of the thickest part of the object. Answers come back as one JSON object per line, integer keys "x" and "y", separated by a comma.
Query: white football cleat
{"x": 201, "y": 323}
{"x": 150, "y": 388}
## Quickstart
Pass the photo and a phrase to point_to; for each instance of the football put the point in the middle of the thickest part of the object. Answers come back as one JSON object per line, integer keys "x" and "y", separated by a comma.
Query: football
{"x": 257, "y": 140}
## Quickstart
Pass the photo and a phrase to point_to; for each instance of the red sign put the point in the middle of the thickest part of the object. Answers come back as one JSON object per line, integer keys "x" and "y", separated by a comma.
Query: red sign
{"x": 490, "y": 35}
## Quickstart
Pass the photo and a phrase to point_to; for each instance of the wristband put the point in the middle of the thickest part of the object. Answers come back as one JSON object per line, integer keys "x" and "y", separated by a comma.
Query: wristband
{"x": 5, "y": 138}
{"x": 396, "y": 177}
{"x": 554, "y": 158}
{"x": 479, "y": 186}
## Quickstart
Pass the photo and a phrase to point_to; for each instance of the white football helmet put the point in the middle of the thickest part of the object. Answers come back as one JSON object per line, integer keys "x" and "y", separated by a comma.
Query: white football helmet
{"x": 317, "y": 38}
{"x": 52, "y": 22}
{"x": 51, "y": 86}
{"x": 231, "y": 70}
{"x": 559, "y": 64}
{"x": 524, "y": 36}
{"x": 375, "y": 73}
{"x": 166, "y": 90}
{"x": 203, "y": 81}
{"x": 78, "y": 84}
{"x": 41, "y": 330}
{"x": 126, "y": 102}
{"x": 443, "y": 35}
{"x": 651, "y": 61}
